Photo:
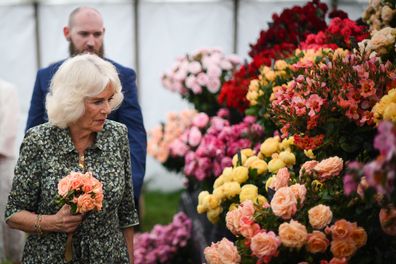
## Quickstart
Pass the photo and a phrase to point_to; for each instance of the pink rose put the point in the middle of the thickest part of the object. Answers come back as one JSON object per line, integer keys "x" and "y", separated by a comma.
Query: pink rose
{"x": 265, "y": 244}
{"x": 328, "y": 168}
{"x": 200, "y": 120}
{"x": 299, "y": 191}
{"x": 232, "y": 221}
{"x": 178, "y": 148}
{"x": 222, "y": 252}
{"x": 247, "y": 227}
{"x": 195, "y": 136}
{"x": 293, "y": 234}
{"x": 307, "y": 167}
{"x": 284, "y": 203}
{"x": 320, "y": 216}
{"x": 64, "y": 186}
{"x": 317, "y": 242}
{"x": 281, "y": 179}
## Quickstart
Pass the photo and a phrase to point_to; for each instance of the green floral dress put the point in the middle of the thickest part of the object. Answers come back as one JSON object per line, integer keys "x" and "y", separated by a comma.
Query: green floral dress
{"x": 47, "y": 155}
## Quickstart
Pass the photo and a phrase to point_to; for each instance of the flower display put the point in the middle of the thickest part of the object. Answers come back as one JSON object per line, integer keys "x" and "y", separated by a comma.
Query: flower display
{"x": 164, "y": 243}
{"x": 199, "y": 76}
{"x": 279, "y": 41}
{"x": 81, "y": 191}
{"x": 329, "y": 100}
{"x": 163, "y": 143}
{"x": 380, "y": 14}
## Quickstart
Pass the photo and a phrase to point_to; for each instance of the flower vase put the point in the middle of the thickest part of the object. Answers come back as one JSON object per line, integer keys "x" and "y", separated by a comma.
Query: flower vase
{"x": 69, "y": 248}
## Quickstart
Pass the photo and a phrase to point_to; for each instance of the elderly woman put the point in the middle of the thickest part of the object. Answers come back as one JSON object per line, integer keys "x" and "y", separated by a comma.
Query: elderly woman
{"x": 78, "y": 137}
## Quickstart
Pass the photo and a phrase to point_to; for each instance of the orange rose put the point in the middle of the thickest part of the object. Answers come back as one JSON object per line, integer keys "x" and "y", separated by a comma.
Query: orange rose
{"x": 284, "y": 203}
{"x": 341, "y": 229}
{"x": 343, "y": 248}
{"x": 293, "y": 234}
{"x": 85, "y": 203}
{"x": 320, "y": 216}
{"x": 317, "y": 242}
{"x": 359, "y": 236}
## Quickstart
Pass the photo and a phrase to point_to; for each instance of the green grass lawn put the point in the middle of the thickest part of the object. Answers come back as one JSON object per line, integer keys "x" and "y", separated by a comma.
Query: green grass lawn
{"x": 159, "y": 208}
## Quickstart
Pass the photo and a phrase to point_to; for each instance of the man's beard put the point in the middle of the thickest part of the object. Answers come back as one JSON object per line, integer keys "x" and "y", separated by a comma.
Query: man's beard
{"x": 73, "y": 51}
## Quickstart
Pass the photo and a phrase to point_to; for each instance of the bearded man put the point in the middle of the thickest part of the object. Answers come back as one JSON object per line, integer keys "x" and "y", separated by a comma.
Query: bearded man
{"x": 85, "y": 33}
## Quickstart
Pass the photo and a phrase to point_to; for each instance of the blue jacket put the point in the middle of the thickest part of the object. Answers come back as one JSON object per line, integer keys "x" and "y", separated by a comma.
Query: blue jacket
{"x": 128, "y": 113}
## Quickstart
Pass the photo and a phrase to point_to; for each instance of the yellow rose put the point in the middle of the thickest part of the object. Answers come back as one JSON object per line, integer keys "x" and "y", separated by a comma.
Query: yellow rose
{"x": 287, "y": 157}
{"x": 270, "y": 146}
{"x": 218, "y": 182}
{"x": 248, "y": 152}
{"x": 261, "y": 200}
{"x": 260, "y": 165}
{"x": 268, "y": 182}
{"x": 231, "y": 189}
{"x": 248, "y": 192}
{"x": 240, "y": 174}
{"x": 275, "y": 164}
{"x": 219, "y": 192}
{"x": 254, "y": 85}
{"x": 214, "y": 215}
{"x": 286, "y": 143}
{"x": 233, "y": 206}
{"x": 281, "y": 65}
{"x": 270, "y": 76}
{"x": 390, "y": 112}
{"x": 227, "y": 174}
{"x": 235, "y": 159}
{"x": 213, "y": 201}
{"x": 249, "y": 161}
{"x": 309, "y": 153}
{"x": 201, "y": 196}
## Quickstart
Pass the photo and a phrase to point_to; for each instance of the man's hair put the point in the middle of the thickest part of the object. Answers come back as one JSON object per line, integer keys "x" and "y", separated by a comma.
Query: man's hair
{"x": 78, "y": 78}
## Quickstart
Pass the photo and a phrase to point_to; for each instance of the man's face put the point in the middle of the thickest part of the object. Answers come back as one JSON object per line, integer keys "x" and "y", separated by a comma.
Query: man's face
{"x": 85, "y": 34}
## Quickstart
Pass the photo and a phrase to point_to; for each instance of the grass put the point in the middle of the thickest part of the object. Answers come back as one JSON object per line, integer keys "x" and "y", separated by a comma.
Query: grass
{"x": 159, "y": 208}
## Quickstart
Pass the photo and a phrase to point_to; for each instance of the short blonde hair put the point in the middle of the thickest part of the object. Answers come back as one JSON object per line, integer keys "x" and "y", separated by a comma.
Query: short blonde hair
{"x": 78, "y": 78}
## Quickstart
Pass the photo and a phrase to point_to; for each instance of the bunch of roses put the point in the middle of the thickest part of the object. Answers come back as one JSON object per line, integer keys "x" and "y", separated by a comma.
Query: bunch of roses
{"x": 380, "y": 14}
{"x": 218, "y": 145}
{"x": 163, "y": 243}
{"x": 244, "y": 180}
{"x": 341, "y": 33}
{"x": 199, "y": 76}
{"x": 81, "y": 191}
{"x": 382, "y": 43}
{"x": 279, "y": 41}
{"x": 330, "y": 100}
{"x": 162, "y": 137}
{"x": 282, "y": 71}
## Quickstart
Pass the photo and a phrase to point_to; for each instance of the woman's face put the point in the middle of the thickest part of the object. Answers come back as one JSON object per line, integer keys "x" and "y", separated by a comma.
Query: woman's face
{"x": 97, "y": 109}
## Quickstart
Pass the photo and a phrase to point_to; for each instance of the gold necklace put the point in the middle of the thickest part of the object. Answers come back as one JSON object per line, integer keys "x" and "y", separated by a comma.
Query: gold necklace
{"x": 81, "y": 161}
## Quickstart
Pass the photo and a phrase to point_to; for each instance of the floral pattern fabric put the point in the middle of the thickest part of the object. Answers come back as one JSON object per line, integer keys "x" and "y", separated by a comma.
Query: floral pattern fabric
{"x": 47, "y": 154}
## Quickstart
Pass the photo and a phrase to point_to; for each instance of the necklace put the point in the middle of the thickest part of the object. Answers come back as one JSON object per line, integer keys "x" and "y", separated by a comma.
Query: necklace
{"x": 81, "y": 161}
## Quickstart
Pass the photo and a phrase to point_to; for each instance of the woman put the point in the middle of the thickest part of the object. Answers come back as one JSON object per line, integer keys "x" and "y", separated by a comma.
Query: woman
{"x": 77, "y": 137}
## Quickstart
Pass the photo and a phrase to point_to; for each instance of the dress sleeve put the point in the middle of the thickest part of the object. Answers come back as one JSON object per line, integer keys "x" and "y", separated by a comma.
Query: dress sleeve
{"x": 25, "y": 189}
{"x": 127, "y": 212}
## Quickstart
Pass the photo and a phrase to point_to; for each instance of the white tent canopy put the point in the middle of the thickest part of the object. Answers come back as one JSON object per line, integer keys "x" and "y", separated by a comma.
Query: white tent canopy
{"x": 144, "y": 35}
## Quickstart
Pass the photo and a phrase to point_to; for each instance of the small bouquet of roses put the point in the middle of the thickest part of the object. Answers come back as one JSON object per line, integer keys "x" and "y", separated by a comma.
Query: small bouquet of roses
{"x": 81, "y": 191}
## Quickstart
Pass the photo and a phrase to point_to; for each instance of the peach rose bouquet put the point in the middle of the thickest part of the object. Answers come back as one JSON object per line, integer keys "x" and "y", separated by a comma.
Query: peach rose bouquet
{"x": 81, "y": 191}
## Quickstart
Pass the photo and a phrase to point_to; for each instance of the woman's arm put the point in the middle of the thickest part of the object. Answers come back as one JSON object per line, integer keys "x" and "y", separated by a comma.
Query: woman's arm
{"x": 62, "y": 221}
{"x": 128, "y": 235}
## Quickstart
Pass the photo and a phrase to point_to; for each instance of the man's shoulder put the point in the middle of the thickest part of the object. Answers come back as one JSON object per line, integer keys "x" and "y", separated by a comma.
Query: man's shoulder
{"x": 50, "y": 69}
{"x": 121, "y": 68}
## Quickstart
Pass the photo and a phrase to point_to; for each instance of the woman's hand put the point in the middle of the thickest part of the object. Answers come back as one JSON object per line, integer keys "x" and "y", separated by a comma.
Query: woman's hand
{"x": 65, "y": 221}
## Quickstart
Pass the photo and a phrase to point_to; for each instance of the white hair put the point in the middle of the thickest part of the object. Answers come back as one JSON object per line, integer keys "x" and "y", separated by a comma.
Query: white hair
{"x": 78, "y": 78}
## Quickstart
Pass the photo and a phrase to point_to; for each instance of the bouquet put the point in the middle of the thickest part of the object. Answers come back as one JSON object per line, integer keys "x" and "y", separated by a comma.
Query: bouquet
{"x": 199, "y": 76}
{"x": 83, "y": 193}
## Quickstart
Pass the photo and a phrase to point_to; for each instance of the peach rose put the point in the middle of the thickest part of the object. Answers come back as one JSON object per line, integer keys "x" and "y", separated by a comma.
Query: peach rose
{"x": 307, "y": 167}
{"x": 85, "y": 203}
{"x": 247, "y": 227}
{"x": 232, "y": 221}
{"x": 299, "y": 191}
{"x": 388, "y": 221}
{"x": 359, "y": 236}
{"x": 293, "y": 234}
{"x": 222, "y": 252}
{"x": 98, "y": 201}
{"x": 280, "y": 180}
{"x": 317, "y": 242}
{"x": 320, "y": 216}
{"x": 64, "y": 186}
{"x": 343, "y": 248}
{"x": 265, "y": 244}
{"x": 284, "y": 203}
{"x": 341, "y": 229}
{"x": 328, "y": 168}
{"x": 338, "y": 261}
